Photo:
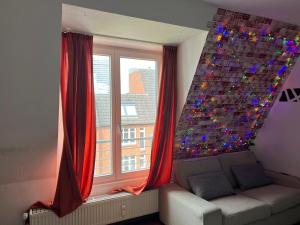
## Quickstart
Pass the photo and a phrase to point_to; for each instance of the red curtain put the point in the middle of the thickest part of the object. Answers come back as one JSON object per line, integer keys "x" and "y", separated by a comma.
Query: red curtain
{"x": 163, "y": 142}
{"x": 164, "y": 131}
{"x": 76, "y": 171}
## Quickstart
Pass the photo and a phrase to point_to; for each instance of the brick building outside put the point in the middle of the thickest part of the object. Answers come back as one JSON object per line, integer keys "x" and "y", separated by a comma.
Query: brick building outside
{"x": 138, "y": 112}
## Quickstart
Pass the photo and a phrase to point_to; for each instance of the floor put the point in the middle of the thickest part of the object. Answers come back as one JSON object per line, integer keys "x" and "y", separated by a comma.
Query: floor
{"x": 147, "y": 220}
{"x": 154, "y": 222}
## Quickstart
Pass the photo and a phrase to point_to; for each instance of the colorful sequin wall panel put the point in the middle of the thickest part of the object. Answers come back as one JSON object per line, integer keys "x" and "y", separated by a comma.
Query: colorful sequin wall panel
{"x": 243, "y": 65}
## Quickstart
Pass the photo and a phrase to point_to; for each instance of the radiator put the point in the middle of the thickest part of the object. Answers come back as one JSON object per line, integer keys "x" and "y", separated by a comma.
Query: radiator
{"x": 102, "y": 210}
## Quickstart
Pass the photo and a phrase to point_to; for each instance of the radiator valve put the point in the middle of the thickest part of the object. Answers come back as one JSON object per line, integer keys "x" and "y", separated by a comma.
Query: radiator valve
{"x": 25, "y": 216}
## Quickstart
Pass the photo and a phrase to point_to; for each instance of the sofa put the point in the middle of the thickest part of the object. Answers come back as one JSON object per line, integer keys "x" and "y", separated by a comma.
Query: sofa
{"x": 274, "y": 204}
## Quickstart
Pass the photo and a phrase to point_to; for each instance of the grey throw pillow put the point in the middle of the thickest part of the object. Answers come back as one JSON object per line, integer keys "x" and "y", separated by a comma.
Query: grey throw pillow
{"x": 250, "y": 175}
{"x": 210, "y": 185}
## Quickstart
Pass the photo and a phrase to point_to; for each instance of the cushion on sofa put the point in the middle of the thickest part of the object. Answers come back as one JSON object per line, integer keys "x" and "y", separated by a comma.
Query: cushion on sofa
{"x": 241, "y": 210}
{"x": 229, "y": 159}
{"x": 250, "y": 175}
{"x": 186, "y": 168}
{"x": 210, "y": 185}
{"x": 278, "y": 197}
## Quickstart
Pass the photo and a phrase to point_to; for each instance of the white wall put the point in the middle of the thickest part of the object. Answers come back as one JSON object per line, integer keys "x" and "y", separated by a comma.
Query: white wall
{"x": 188, "y": 56}
{"x": 278, "y": 141}
{"x": 189, "y": 13}
{"x": 29, "y": 82}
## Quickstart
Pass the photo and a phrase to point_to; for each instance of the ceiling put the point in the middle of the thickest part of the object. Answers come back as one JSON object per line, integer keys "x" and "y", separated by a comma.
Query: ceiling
{"x": 106, "y": 25}
{"x": 282, "y": 10}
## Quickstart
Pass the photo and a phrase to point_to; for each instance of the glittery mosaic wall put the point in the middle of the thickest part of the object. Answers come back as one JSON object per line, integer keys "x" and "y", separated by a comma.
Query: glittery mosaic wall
{"x": 243, "y": 65}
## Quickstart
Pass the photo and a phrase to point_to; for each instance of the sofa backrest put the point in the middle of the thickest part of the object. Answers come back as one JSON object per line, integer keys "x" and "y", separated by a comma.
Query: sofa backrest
{"x": 186, "y": 168}
{"x": 229, "y": 159}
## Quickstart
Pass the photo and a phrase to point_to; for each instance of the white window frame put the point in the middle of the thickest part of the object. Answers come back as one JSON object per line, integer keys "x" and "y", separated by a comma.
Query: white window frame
{"x": 131, "y": 140}
{"x": 117, "y": 179}
{"x": 144, "y": 158}
{"x": 143, "y": 130}
{"x": 129, "y": 159}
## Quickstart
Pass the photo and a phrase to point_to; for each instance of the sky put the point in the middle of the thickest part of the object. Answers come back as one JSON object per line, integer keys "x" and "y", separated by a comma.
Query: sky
{"x": 126, "y": 64}
{"x": 102, "y": 76}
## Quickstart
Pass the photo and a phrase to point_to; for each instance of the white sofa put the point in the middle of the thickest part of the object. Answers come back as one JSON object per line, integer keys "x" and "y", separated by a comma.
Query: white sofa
{"x": 275, "y": 204}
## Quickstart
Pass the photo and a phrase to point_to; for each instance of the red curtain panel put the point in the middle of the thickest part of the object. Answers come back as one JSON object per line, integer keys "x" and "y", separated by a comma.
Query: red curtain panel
{"x": 163, "y": 140}
{"x": 76, "y": 171}
{"x": 164, "y": 131}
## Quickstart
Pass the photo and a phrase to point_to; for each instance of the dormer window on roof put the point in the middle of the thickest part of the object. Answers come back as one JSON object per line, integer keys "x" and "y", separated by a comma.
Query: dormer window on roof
{"x": 128, "y": 110}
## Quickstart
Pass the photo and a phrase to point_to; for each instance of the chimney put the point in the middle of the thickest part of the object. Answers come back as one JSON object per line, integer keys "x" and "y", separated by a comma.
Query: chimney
{"x": 136, "y": 84}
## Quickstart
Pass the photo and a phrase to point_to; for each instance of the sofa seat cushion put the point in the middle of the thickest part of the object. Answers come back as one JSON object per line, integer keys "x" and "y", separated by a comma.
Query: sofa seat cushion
{"x": 239, "y": 209}
{"x": 278, "y": 197}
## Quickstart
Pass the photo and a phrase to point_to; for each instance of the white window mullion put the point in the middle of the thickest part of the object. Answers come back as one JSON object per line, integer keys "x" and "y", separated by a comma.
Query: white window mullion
{"x": 117, "y": 105}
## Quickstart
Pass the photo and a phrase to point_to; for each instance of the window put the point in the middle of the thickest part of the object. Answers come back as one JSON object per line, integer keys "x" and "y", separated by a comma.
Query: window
{"x": 128, "y": 136}
{"x": 102, "y": 85}
{"x": 126, "y": 85}
{"x": 128, "y": 110}
{"x": 128, "y": 163}
{"x": 142, "y": 138}
{"x": 143, "y": 162}
{"x": 102, "y": 71}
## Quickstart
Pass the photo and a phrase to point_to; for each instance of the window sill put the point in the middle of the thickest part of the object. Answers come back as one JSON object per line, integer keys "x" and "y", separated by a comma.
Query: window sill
{"x": 104, "y": 197}
{"x": 104, "y": 189}
{"x": 128, "y": 144}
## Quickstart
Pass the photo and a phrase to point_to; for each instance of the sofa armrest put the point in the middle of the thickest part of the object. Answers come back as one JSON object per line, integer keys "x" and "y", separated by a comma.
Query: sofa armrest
{"x": 178, "y": 206}
{"x": 283, "y": 179}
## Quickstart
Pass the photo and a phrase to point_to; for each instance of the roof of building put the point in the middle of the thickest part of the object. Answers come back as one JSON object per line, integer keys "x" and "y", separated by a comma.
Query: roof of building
{"x": 144, "y": 104}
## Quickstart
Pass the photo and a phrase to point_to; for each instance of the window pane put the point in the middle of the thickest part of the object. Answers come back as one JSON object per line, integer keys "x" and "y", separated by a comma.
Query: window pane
{"x": 122, "y": 111}
{"x": 128, "y": 163}
{"x": 125, "y": 136}
{"x": 138, "y": 100}
{"x": 142, "y": 138}
{"x": 102, "y": 85}
{"x": 132, "y": 135}
{"x": 128, "y": 136}
{"x": 143, "y": 162}
{"x": 131, "y": 110}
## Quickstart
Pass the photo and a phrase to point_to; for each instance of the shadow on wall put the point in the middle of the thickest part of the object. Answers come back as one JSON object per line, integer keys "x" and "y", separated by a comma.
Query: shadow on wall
{"x": 277, "y": 143}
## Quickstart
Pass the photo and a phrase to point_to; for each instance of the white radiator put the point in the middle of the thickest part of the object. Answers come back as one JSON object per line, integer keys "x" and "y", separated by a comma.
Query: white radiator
{"x": 102, "y": 210}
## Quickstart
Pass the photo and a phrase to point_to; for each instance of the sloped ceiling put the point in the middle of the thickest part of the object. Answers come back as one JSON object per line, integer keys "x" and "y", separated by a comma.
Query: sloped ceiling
{"x": 281, "y": 10}
{"x": 244, "y": 63}
{"x": 188, "y": 13}
{"x": 107, "y": 25}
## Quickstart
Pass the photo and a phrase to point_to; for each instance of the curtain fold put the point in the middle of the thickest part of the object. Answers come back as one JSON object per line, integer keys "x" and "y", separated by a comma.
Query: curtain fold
{"x": 76, "y": 171}
{"x": 77, "y": 91}
{"x": 164, "y": 131}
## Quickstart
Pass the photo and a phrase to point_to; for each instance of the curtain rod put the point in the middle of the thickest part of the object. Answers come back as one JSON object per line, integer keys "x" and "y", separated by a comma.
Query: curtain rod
{"x": 107, "y": 36}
